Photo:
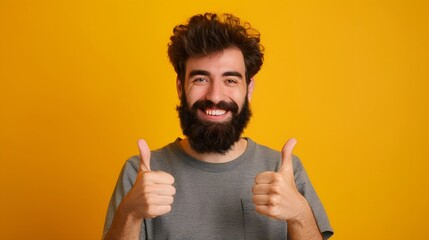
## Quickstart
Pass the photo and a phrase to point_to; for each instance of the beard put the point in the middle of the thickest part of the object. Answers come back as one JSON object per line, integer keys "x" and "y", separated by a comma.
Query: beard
{"x": 208, "y": 136}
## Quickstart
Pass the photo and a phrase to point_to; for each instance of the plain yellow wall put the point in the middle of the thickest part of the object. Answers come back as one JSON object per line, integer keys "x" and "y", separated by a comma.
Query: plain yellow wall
{"x": 81, "y": 81}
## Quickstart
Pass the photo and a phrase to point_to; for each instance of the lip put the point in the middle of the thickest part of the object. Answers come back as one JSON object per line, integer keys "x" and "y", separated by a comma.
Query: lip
{"x": 215, "y": 118}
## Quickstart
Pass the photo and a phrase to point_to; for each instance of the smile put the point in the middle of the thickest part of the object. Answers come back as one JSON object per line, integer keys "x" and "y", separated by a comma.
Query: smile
{"x": 215, "y": 112}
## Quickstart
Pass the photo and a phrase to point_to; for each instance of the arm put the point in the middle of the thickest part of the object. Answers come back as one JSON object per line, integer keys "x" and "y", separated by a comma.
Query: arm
{"x": 305, "y": 226}
{"x": 124, "y": 226}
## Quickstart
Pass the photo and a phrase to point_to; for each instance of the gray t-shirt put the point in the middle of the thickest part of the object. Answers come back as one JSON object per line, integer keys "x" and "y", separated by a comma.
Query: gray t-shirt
{"x": 214, "y": 200}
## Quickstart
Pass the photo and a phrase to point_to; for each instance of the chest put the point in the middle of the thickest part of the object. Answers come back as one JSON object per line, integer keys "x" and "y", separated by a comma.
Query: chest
{"x": 214, "y": 205}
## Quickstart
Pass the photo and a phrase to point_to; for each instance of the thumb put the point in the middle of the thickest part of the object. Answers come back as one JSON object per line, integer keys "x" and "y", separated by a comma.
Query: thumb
{"x": 144, "y": 155}
{"x": 287, "y": 156}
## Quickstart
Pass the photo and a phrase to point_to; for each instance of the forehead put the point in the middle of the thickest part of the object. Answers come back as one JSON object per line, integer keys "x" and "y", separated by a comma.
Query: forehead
{"x": 230, "y": 59}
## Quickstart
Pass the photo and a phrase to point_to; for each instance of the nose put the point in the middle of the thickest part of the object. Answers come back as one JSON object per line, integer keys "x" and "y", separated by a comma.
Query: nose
{"x": 216, "y": 92}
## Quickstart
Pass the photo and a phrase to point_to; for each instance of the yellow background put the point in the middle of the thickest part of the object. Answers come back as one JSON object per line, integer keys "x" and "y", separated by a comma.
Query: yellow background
{"x": 81, "y": 81}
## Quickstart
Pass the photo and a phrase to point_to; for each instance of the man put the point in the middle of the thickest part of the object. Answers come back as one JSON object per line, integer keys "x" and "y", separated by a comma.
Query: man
{"x": 214, "y": 184}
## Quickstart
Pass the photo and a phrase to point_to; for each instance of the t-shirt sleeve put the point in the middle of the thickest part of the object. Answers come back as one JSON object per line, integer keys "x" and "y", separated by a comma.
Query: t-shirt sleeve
{"x": 124, "y": 184}
{"x": 306, "y": 189}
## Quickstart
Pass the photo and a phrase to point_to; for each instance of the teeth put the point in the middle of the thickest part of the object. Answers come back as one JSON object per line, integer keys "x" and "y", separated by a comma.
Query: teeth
{"x": 215, "y": 112}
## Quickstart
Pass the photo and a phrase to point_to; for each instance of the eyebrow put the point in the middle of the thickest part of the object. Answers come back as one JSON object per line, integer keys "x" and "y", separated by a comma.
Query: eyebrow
{"x": 206, "y": 73}
{"x": 198, "y": 72}
{"x": 232, "y": 73}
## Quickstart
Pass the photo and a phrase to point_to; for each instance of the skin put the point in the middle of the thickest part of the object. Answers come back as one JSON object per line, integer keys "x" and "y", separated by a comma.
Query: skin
{"x": 216, "y": 77}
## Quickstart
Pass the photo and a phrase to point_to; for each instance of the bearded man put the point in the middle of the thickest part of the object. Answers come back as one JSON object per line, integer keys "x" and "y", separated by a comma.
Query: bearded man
{"x": 215, "y": 184}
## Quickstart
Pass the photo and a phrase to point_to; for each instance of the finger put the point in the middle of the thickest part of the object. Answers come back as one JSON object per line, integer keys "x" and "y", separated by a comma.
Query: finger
{"x": 159, "y": 200}
{"x": 265, "y": 178}
{"x": 165, "y": 200}
{"x": 144, "y": 155}
{"x": 268, "y": 210}
{"x": 287, "y": 155}
{"x": 155, "y": 210}
{"x": 160, "y": 189}
{"x": 158, "y": 177}
{"x": 261, "y": 199}
{"x": 266, "y": 200}
{"x": 260, "y": 189}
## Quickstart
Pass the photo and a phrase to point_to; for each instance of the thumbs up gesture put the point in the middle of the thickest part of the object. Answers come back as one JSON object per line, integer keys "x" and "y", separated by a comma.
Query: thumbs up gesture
{"x": 153, "y": 192}
{"x": 275, "y": 193}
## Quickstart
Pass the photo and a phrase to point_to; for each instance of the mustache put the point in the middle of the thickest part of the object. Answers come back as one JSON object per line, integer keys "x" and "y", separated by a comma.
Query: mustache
{"x": 204, "y": 104}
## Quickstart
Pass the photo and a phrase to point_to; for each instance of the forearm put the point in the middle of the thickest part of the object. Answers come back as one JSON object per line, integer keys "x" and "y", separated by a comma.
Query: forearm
{"x": 305, "y": 227}
{"x": 124, "y": 226}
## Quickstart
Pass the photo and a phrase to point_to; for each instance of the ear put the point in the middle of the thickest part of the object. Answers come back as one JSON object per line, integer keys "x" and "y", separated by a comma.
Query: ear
{"x": 250, "y": 88}
{"x": 179, "y": 87}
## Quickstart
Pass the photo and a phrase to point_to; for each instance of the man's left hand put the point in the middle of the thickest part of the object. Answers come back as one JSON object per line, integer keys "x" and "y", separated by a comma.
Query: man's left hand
{"x": 275, "y": 194}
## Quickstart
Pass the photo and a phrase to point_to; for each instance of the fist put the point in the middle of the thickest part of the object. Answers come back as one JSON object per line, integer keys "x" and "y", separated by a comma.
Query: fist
{"x": 153, "y": 192}
{"x": 275, "y": 194}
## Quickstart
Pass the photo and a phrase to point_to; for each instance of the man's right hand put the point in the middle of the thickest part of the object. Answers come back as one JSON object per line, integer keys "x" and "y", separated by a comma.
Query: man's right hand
{"x": 153, "y": 192}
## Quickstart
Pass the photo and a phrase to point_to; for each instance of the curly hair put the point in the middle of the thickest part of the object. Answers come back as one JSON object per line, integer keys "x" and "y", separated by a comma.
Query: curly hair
{"x": 209, "y": 33}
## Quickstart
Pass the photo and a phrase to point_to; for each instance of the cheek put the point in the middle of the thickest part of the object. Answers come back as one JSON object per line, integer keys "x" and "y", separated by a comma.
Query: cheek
{"x": 196, "y": 93}
{"x": 191, "y": 97}
{"x": 239, "y": 97}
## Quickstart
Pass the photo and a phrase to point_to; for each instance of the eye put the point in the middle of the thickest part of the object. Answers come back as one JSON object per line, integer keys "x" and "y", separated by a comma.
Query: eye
{"x": 231, "y": 82}
{"x": 200, "y": 80}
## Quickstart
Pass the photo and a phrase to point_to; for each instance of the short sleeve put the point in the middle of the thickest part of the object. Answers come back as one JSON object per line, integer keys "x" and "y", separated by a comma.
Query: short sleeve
{"x": 306, "y": 189}
{"x": 124, "y": 184}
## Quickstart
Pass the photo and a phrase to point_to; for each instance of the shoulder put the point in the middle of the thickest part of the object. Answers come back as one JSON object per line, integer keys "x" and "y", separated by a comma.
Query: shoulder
{"x": 260, "y": 148}
{"x": 269, "y": 153}
{"x": 132, "y": 163}
{"x": 159, "y": 158}
{"x": 171, "y": 148}
{"x": 263, "y": 156}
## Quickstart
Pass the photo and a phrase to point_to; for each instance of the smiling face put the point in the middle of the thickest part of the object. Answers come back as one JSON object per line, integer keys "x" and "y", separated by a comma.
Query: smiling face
{"x": 217, "y": 77}
{"x": 215, "y": 87}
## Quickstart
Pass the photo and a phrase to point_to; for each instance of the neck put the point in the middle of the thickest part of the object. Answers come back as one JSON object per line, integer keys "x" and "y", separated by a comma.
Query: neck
{"x": 236, "y": 150}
